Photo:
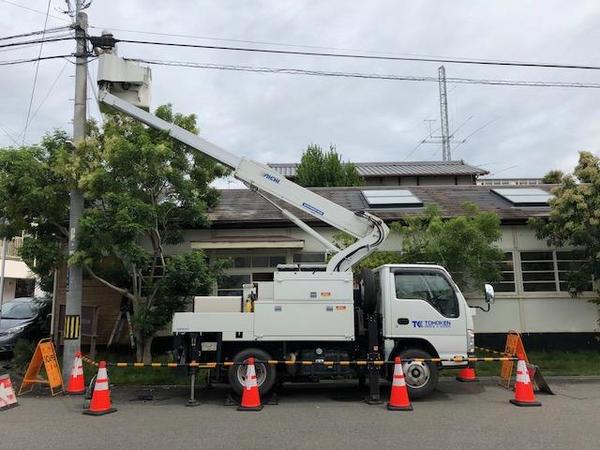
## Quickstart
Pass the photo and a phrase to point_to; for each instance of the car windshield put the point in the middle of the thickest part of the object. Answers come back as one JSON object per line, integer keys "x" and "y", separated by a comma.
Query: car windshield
{"x": 18, "y": 310}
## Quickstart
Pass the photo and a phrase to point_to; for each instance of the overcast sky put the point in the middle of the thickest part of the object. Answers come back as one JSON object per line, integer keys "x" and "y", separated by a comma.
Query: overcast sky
{"x": 271, "y": 118}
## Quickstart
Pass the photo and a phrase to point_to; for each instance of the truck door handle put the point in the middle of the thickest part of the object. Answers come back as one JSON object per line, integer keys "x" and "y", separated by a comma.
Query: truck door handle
{"x": 403, "y": 321}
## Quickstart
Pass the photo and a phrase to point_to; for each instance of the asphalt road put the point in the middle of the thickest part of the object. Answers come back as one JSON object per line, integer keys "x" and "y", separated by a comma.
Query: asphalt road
{"x": 326, "y": 415}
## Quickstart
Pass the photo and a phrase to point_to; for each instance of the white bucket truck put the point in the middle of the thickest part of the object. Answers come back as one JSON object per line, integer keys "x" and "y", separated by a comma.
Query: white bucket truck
{"x": 310, "y": 313}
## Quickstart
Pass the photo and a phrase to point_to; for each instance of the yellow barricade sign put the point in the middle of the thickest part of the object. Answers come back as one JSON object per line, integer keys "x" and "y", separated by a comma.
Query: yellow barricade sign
{"x": 514, "y": 347}
{"x": 44, "y": 355}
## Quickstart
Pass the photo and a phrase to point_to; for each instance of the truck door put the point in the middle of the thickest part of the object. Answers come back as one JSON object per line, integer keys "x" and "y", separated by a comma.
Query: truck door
{"x": 425, "y": 305}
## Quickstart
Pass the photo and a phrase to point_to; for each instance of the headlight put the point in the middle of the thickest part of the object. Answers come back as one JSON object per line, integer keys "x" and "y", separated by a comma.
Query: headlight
{"x": 13, "y": 330}
{"x": 470, "y": 341}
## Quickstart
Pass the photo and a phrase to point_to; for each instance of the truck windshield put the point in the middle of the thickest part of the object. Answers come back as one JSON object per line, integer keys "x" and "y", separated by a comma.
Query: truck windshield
{"x": 431, "y": 287}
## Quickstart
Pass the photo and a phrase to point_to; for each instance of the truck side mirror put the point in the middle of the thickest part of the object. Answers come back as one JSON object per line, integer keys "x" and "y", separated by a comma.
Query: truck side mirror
{"x": 490, "y": 296}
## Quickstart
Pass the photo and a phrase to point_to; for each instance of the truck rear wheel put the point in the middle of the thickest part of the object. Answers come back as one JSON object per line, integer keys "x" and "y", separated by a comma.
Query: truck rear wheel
{"x": 266, "y": 374}
{"x": 421, "y": 377}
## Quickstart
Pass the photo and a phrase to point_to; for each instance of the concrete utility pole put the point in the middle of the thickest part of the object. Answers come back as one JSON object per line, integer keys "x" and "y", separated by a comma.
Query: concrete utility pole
{"x": 72, "y": 340}
{"x": 2, "y": 270}
{"x": 446, "y": 156}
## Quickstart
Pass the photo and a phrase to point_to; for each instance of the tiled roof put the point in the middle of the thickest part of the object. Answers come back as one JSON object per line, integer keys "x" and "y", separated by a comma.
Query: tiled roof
{"x": 400, "y": 168}
{"x": 243, "y": 207}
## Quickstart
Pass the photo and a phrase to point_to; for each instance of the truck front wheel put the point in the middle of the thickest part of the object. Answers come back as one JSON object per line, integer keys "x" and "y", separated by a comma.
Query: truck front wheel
{"x": 266, "y": 374}
{"x": 421, "y": 377}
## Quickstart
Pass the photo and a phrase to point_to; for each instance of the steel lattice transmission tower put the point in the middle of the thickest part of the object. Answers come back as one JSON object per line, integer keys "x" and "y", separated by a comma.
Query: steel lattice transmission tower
{"x": 445, "y": 130}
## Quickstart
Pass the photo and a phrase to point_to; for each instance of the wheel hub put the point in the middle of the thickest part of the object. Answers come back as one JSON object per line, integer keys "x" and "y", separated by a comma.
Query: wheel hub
{"x": 417, "y": 374}
{"x": 261, "y": 373}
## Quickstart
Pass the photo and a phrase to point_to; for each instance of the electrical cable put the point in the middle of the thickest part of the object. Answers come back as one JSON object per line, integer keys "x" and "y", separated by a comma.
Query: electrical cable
{"x": 37, "y": 70}
{"x": 277, "y": 44}
{"x": 363, "y": 56}
{"x": 36, "y": 41}
{"x": 34, "y": 33}
{"x": 34, "y": 10}
{"x": 28, "y": 60}
{"x": 390, "y": 77}
{"x": 50, "y": 89}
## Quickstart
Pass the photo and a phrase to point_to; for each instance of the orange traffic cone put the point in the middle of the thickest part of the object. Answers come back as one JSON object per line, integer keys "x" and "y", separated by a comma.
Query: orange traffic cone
{"x": 524, "y": 395}
{"x": 467, "y": 375}
{"x": 76, "y": 381}
{"x": 399, "y": 400}
{"x": 100, "y": 403}
{"x": 250, "y": 394}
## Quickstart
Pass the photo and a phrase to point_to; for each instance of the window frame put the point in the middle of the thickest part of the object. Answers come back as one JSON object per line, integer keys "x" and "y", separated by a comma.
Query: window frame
{"x": 556, "y": 271}
{"x": 440, "y": 273}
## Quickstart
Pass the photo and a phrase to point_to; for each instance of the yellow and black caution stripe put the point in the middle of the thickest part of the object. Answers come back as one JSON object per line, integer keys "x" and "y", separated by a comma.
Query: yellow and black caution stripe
{"x": 489, "y": 350}
{"x": 85, "y": 359}
{"x": 212, "y": 365}
{"x": 72, "y": 327}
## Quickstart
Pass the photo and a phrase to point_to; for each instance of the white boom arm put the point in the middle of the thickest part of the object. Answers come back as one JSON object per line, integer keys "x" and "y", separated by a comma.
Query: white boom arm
{"x": 126, "y": 79}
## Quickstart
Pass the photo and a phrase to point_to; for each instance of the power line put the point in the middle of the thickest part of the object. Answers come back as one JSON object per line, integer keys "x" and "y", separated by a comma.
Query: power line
{"x": 35, "y": 76}
{"x": 50, "y": 89}
{"x": 363, "y": 56}
{"x": 277, "y": 44}
{"x": 375, "y": 76}
{"x": 34, "y": 33}
{"x": 28, "y": 60}
{"x": 36, "y": 41}
{"x": 34, "y": 10}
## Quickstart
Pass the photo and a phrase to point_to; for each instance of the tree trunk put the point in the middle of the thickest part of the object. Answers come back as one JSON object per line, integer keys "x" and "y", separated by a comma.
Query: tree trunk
{"x": 143, "y": 348}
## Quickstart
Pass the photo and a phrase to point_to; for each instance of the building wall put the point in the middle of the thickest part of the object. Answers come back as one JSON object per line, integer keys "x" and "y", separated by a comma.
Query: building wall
{"x": 521, "y": 309}
{"x": 94, "y": 294}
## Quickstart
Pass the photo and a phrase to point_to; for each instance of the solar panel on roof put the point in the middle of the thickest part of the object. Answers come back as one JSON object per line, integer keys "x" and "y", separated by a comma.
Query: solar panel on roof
{"x": 524, "y": 196}
{"x": 388, "y": 198}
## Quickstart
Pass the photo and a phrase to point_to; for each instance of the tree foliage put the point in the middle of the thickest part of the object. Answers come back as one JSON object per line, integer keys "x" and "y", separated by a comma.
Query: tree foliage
{"x": 553, "y": 177}
{"x": 142, "y": 189}
{"x": 465, "y": 245}
{"x": 320, "y": 168}
{"x": 574, "y": 219}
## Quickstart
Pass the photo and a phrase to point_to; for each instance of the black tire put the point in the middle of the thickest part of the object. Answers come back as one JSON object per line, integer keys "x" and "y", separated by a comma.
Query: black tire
{"x": 368, "y": 291}
{"x": 266, "y": 374}
{"x": 421, "y": 377}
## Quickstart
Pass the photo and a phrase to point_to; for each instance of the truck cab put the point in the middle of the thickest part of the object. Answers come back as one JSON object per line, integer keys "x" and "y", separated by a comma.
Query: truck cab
{"x": 424, "y": 315}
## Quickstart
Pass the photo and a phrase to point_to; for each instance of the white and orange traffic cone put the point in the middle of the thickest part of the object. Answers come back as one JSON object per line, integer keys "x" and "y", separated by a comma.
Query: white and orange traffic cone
{"x": 76, "y": 383}
{"x": 100, "y": 403}
{"x": 467, "y": 375}
{"x": 250, "y": 394}
{"x": 8, "y": 399}
{"x": 524, "y": 395}
{"x": 399, "y": 400}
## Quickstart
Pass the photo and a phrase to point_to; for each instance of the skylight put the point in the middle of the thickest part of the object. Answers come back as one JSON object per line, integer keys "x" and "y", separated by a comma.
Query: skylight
{"x": 392, "y": 198}
{"x": 524, "y": 196}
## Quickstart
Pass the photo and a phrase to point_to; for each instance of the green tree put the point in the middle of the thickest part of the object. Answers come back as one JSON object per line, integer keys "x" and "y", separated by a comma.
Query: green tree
{"x": 142, "y": 189}
{"x": 465, "y": 245}
{"x": 574, "y": 220}
{"x": 553, "y": 177}
{"x": 318, "y": 168}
